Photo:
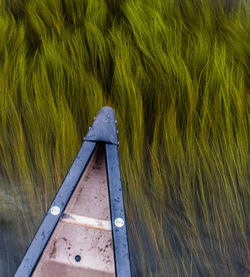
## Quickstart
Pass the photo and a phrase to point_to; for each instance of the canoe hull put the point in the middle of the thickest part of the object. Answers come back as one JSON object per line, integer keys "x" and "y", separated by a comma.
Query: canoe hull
{"x": 84, "y": 231}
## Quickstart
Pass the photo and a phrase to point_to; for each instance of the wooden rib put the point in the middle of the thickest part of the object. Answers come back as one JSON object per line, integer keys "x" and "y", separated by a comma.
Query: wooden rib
{"x": 86, "y": 222}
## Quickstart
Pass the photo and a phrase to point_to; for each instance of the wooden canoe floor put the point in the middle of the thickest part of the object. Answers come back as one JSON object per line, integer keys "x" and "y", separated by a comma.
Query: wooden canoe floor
{"x": 84, "y": 230}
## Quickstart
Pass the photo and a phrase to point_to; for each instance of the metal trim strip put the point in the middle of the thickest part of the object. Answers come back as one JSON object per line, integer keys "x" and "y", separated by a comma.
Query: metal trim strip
{"x": 118, "y": 219}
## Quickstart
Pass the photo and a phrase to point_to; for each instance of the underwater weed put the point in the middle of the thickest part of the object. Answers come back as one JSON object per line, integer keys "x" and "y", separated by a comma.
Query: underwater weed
{"x": 177, "y": 75}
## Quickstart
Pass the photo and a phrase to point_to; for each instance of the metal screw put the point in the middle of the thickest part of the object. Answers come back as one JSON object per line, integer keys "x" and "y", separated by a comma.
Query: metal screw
{"x": 119, "y": 222}
{"x": 55, "y": 210}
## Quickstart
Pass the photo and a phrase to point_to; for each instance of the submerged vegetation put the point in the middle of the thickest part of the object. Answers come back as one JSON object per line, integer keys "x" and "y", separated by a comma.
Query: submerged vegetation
{"x": 177, "y": 75}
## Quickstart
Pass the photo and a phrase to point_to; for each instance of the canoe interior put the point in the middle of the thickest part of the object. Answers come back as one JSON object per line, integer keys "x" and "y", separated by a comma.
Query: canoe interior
{"x": 82, "y": 243}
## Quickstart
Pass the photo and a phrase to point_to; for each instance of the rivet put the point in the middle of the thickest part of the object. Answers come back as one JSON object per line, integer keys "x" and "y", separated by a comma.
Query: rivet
{"x": 55, "y": 210}
{"x": 119, "y": 222}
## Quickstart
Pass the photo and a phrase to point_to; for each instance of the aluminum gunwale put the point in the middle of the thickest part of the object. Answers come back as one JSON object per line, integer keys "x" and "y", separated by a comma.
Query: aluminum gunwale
{"x": 120, "y": 240}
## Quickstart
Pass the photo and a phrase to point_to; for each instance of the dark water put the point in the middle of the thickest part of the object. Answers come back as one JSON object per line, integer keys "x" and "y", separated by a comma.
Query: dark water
{"x": 12, "y": 245}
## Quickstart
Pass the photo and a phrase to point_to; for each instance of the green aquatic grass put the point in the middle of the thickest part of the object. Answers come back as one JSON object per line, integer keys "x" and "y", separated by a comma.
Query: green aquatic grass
{"x": 177, "y": 74}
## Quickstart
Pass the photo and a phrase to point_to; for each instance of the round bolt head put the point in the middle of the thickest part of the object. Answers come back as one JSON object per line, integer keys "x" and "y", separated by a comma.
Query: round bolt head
{"x": 55, "y": 210}
{"x": 119, "y": 222}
